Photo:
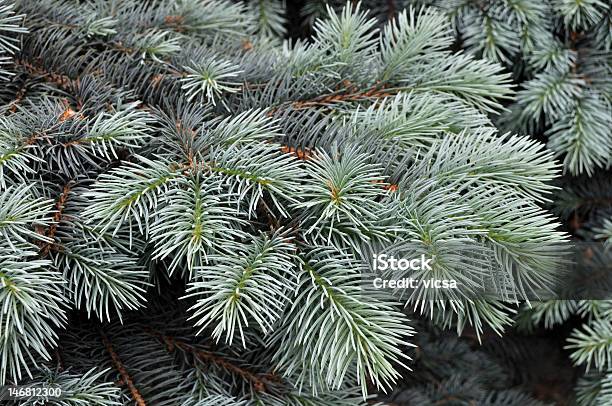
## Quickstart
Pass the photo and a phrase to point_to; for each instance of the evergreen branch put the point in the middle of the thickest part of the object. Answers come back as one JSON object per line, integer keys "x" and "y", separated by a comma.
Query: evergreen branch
{"x": 594, "y": 388}
{"x": 496, "y": 39}
{"x": 578, "y": 14}
{"x": 20, "y": 214}
{"x": 331, "y": 328}
{"x": 96, "y": 279}
{"x": 194, "y": 221}
{"x": 549, "y": 93}
{"x": 270, "y": 17}
{"x": 32, "y": 306}
{"x": 223, "y": 18}
{"x": 527, "y": 246}
{"x": 244, "y": 128}
{"x": 252, "y": 168}
{"x": 593, "y": 345}
{"x": 480, "y": 83}
{"x": 243, "y": 135}
{"x": 155, "y": 44}
{"x": 349, "y": 37}
{"x": 582, "y": 135}
{"x": 486, "y": 159}
{"x": 124, "y": 128}
{"x": 339, "y": 204}
{"x": 416, "y": 119}
{"x": 411, "y": 37}
{"x": 208, "y": 81}
{"x": 233, "y": 292}
{"x": 10, "y": 24}
{"x": 553, "y": 312}
{"x": 555, "y": 57}
{"x": 16, "y": 152}
{"x": 127, "y": 194}
{"x": 605, "y": 231}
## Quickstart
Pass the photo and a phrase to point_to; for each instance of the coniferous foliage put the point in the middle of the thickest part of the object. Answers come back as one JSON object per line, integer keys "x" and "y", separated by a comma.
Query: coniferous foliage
{"x": 560, "y": 56}
{"x": 189, "y": 204}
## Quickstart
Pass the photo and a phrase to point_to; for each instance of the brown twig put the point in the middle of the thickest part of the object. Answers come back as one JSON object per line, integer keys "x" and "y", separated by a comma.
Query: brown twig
{"x": 174, "y": 20}
{"x": 57, "y": 217}
{"x": 391, "y": 187}
{"x": 390, "y": 9}
{"x": 303, "y": 154}
{"x": 348, "y": 94}
{"x": 125, "y": 376}
{"x": 354, "y": 95}
{"x": 258, "y": 381}
{"x": 63, "y": 81}
{"x": 18, "y": 98}
{"x": 69, "y": 113}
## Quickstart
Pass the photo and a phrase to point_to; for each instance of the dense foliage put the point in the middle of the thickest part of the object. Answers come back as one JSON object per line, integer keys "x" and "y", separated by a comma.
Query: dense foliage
{"x": 189, "y": 204}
